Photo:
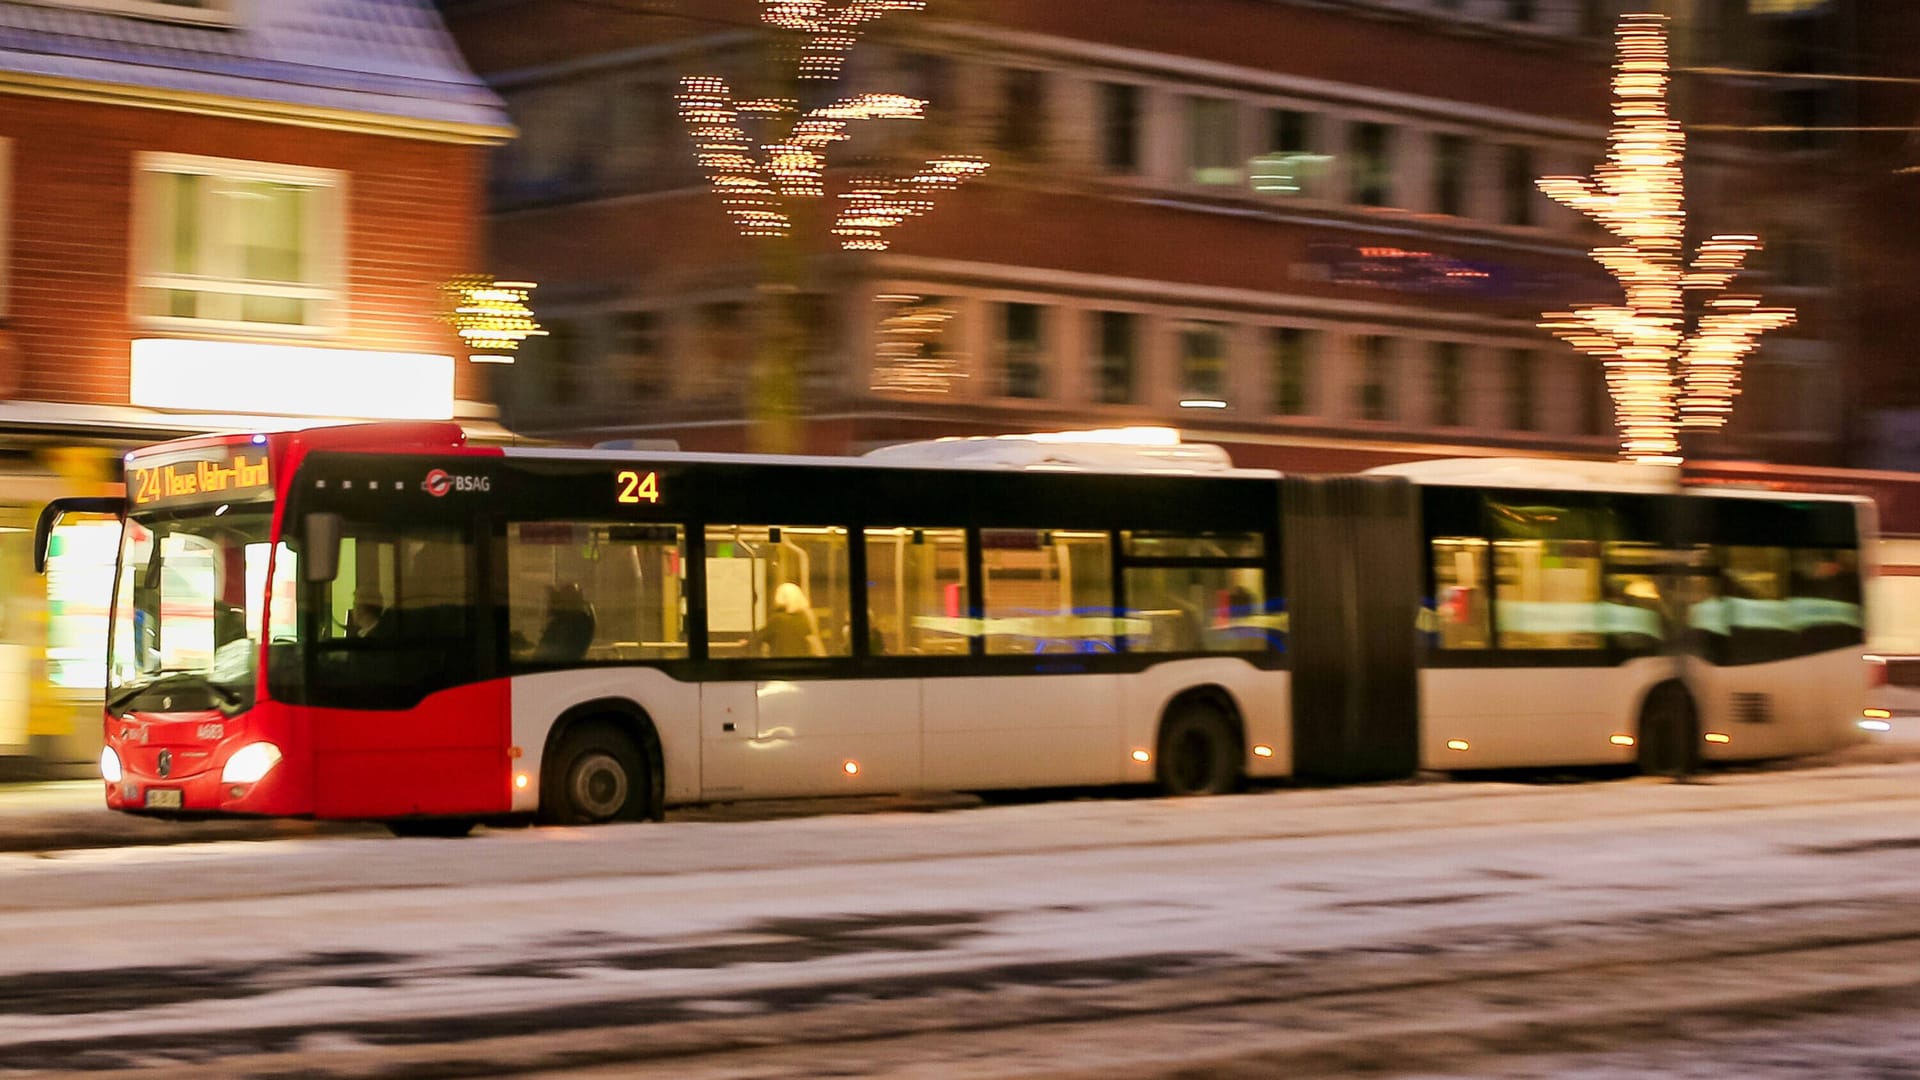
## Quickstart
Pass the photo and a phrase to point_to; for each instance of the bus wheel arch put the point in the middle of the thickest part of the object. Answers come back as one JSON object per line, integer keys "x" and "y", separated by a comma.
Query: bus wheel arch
{"x": 1201, "y": 745}
{"x": 610, "y": 748}
{"x": 1668, "y": 739}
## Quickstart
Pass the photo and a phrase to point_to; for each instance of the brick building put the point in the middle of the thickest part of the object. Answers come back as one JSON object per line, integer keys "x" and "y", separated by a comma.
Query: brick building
{"x": 221, "y": 215}
{"x": 1302, "y": 227}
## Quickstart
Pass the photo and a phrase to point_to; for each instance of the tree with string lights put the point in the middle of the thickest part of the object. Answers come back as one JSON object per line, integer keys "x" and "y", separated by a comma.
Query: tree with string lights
{"x": 1674, "y": 348}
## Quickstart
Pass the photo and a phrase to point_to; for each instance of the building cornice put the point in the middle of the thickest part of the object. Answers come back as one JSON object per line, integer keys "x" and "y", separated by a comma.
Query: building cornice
{"x": 253, "y": 109}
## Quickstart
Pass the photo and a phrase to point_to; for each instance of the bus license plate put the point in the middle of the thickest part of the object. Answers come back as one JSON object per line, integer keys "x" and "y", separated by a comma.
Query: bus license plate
{"x": 163, "y": 798}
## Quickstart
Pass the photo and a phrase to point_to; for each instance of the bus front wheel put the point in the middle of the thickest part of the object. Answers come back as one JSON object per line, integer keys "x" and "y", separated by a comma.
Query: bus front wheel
{"x": 1199, "y": 751}
{"x": 595, "y": 775}
{"x": 1669, "y": 733}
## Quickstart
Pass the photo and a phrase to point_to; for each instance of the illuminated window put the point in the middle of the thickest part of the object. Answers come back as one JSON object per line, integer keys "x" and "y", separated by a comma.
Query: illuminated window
{"x": 1047, "y": 591}
{"x": 1213, "y": 152}
{"x": 1370, "y": 164}
{"x": 777, "y": 591}
{"x": 239, "y": 244}
{"x": 1022, "y": 359}
{"x": 591, "y": 592}
{"x": 1119, "y": 127}
{"x": 917, "y": 592}
{"x": 1374, "y": 391}
{"x": 1520, "y": 390}
{"x": 80, "y": 560}
{"x": 1517, "y": 175}
{"x": 1450, "y": 174}
{"x": 1203, "y": 361}
{"x": 1115, "y": 363}
{"x": 201, "y": 12}
{"x": 1449, "y": 383}
{"x": 1289, "y": 165}
{"x": 1291, "y": 351}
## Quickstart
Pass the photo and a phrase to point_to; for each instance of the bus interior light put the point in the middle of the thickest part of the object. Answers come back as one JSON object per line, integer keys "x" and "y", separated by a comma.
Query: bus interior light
{"x": 1620, "y": 740}
{"x": 1458, "y": 744}
{"x": 1719, "y": 738}
{"x": 1142, "y": 756}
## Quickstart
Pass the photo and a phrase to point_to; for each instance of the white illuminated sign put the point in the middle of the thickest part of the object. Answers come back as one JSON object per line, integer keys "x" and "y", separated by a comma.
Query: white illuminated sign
{"x": 231, "y": 376}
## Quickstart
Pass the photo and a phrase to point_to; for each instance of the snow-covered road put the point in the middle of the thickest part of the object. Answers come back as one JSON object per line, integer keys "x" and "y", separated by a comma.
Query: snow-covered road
{"x": 1143, "y": 933}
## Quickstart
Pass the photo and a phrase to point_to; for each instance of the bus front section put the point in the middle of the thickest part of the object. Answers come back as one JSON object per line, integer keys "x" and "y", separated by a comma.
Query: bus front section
{"x": 203, "y": 606}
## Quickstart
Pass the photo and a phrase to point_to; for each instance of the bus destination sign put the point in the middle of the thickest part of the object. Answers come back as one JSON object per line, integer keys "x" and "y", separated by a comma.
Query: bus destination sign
{"x": 220, "y": 473}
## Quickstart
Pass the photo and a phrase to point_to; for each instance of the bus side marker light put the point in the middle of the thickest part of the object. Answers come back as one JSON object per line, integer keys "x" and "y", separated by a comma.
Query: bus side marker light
{"x": 1620, "y": 740}
{"x": 1142, "y": 756}
{"x": 513, "y": 753}
{"x": 851, "y": 768}
{"x": 1876, "y": 725}
{"x": 1717, "y": 737}
{"x": 1457, "y": 744}
{"x": 1878, "y": 714}
{"x": 520, "y": 781}
{"x": 1263, "y": 751}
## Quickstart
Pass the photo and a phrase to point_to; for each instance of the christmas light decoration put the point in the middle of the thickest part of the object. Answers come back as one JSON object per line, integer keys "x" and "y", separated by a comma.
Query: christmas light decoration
{"x": 876, "y": 204}
{"x": 491, "y": 317}
{"x": 1663, "y": 374}
{"x": 831, "y": 31}
{"x": 753, "y": 180}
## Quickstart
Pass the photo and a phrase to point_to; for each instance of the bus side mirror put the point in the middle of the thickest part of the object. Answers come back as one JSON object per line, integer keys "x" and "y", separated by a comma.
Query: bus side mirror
{"x": 51, "y": 514}
{"x": 320, "y": 543}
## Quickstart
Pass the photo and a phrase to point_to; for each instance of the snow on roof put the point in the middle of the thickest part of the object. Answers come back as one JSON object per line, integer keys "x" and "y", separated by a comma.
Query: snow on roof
{"x": 384, "y": 57}
{"x": 1122, "y": 450}
{"x": 1536, "y": 473}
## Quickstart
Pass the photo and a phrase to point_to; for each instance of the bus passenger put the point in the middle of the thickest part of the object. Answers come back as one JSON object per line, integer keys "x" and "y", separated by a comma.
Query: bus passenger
{"x": 791, "y": 629}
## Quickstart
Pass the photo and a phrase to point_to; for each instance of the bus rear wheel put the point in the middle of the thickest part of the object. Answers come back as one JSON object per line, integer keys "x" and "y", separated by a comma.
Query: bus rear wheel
{"x": 1669, "y": 733}
{"x": 595, "y": 775}
{"x": 1199, "y": 751}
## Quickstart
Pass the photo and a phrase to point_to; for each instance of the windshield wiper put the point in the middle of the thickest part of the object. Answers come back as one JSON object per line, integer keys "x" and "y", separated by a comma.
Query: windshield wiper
{"x": 174, "y": 677}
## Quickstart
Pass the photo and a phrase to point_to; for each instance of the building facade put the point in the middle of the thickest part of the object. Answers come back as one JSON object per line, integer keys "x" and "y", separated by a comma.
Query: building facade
{"x": 221, "y": 215}
{"x": 1310, "y": 227}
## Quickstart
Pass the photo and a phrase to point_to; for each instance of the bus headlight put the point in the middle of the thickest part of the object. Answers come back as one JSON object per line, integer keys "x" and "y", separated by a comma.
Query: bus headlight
{"x": 110, "y": 765}
{"x": 250, "y": 763}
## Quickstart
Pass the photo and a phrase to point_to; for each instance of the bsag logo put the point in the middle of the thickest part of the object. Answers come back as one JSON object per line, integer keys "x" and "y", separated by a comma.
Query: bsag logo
{"x": 440, "y": 481}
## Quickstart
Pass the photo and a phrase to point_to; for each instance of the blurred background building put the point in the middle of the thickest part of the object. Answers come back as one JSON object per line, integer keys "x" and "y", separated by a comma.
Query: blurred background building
{"x": 221, "y": 215}
{"x": 1308, "y": 229}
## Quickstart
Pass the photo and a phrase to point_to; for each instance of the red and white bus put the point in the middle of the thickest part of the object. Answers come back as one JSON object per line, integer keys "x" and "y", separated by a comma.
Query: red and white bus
{"x": 385, "y": 622}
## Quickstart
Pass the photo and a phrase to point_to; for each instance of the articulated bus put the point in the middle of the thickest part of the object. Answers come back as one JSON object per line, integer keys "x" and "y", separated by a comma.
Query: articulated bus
{"x": 384, "y": 622}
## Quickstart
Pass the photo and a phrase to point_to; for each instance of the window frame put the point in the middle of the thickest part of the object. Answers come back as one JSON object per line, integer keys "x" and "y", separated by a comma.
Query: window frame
{"x": 323, "y": 245}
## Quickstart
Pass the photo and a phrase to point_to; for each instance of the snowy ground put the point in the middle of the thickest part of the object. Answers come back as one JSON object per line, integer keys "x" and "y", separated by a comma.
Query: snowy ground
{"x": 1590, "y": 930}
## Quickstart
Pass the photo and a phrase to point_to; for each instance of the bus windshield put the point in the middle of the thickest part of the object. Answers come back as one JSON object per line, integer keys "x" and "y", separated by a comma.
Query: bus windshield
{"x": 189, "y": 609}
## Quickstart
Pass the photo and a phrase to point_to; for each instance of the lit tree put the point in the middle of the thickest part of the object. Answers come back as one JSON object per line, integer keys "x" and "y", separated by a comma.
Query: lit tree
{"x": 1673, "y": 349}
{"x": 760, "y": 181}
{"x": 755, "y": 182}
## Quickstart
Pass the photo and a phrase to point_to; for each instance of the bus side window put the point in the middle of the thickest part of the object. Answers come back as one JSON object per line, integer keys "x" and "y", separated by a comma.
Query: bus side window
{"x": 1047, "y": 590}
{"x": 917, "y": 592}
{"x": 1460, "y": 606}
{"x": 585, "y": 592}
{"x": 777, "y": 592}
{"x": 1198, "y": 592}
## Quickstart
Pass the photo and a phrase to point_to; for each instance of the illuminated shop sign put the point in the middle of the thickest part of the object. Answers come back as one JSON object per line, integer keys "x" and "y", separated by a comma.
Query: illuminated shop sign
{"x": 219, "y": 473}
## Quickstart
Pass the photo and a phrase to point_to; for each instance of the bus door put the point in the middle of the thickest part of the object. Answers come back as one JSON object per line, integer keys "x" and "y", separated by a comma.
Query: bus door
{"x": 1353, "y": 561}
{"x": 405, "y": 722}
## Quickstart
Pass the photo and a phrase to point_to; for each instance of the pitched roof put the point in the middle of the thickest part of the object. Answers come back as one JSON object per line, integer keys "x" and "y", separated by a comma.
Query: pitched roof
{"x": 389, "y": 58}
